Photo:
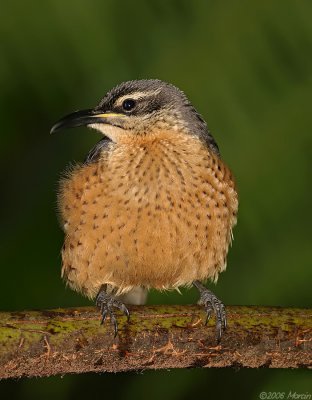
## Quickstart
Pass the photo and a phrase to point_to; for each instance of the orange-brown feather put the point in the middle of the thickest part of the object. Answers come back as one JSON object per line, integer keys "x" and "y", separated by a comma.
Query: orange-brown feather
{"x": 156, "y": 212}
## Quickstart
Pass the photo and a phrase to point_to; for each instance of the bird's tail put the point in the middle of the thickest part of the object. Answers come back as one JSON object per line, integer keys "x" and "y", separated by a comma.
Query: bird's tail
{"x": 136, "y": 296}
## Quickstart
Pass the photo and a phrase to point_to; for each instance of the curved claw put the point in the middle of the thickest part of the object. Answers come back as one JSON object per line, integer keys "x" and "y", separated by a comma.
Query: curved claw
{"x": 125, "y": 310}
{"x": 223, "y": 316}
{"x": 104, "y": 315}
{"x": 114, "y": 322}
{"x": 208, "y": 312}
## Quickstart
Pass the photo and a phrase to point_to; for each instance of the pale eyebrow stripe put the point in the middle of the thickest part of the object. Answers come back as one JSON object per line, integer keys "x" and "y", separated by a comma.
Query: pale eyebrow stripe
{"x": 137, "y": 95}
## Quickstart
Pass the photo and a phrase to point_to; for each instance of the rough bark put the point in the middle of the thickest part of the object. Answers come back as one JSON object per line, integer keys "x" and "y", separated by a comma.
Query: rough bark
{"x": 42, "y": 343}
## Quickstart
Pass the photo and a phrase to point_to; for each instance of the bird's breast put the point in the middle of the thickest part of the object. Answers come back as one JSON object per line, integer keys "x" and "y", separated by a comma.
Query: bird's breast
{"x": 160, "y": 213}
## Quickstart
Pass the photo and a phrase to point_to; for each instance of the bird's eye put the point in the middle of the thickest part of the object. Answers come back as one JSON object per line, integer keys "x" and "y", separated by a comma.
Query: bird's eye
{"x": 128, "y": 104}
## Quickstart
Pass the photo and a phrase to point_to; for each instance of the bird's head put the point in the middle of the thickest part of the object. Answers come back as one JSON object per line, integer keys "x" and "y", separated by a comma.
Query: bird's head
{"x": 140, "y": 110}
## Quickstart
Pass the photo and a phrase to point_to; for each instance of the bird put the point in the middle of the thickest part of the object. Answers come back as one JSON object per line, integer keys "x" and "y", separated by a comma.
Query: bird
{"x": 152, "y": 206}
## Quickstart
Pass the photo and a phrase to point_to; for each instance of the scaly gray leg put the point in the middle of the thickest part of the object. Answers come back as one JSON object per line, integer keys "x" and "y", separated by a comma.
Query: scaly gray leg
{"x": 107, "y": 302}
{"x": 212, "y": 303}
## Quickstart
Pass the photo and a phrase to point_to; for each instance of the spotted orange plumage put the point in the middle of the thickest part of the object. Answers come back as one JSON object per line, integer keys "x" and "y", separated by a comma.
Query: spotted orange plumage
{"x": 154, "y": 206}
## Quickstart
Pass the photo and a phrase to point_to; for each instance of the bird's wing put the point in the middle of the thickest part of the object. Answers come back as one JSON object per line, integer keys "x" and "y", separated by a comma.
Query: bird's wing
{"x": 95, "y": 152}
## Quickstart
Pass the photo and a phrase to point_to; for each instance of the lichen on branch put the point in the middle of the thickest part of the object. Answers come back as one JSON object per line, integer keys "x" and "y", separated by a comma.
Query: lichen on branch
{"x": 60, "y": 341}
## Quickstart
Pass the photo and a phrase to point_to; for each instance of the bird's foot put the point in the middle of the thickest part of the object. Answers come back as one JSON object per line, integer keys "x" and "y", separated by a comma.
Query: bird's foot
{"x": 107, "y": 302}
{"x": 212, "y": 304}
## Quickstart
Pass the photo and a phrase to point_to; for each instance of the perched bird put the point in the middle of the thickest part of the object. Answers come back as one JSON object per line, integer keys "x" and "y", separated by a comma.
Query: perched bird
{"x": 152, "y": 206}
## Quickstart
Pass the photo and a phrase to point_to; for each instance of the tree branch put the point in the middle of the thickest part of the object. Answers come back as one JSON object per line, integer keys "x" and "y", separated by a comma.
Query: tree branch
{"x": 42, "y": 343}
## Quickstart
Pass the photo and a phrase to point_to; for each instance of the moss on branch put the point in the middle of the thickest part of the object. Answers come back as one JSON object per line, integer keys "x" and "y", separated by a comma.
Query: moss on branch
{"x": 60, "y": 341}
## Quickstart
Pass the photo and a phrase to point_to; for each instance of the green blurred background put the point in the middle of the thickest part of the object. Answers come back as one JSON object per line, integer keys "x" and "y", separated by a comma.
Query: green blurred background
{"x": 247, "y": 67}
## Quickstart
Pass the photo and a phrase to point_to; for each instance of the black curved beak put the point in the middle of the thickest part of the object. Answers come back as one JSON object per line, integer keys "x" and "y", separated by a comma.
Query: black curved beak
{"x": 82, "y": 118}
